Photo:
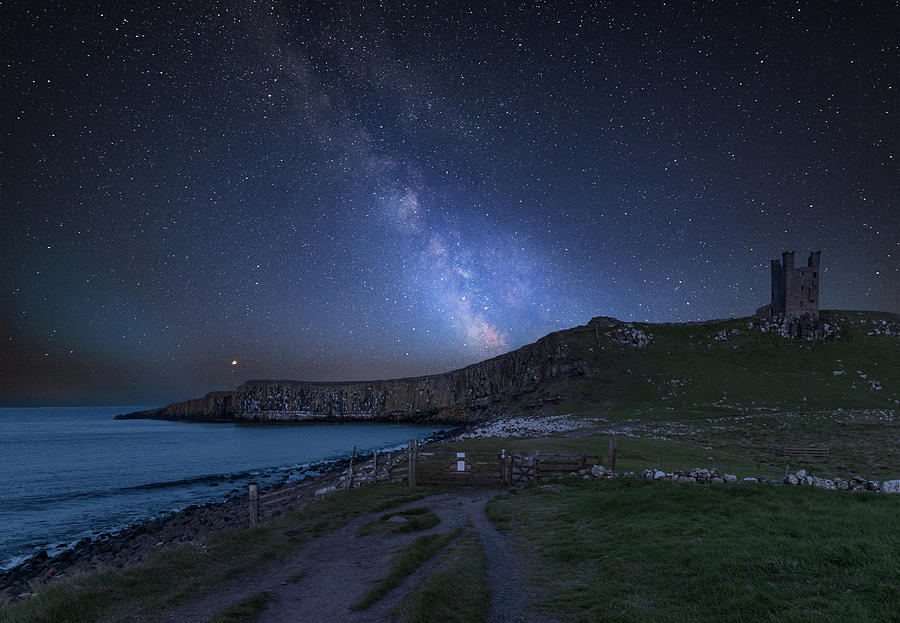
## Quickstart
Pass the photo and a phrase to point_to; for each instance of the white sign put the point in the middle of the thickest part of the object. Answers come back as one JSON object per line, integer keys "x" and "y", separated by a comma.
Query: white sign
{"x": 460, "y": 466}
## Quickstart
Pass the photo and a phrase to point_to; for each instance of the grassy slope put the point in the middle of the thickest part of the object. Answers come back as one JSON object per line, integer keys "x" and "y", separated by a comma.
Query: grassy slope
{"x": 750, "y": 369}
{"x": 630, "y": 550}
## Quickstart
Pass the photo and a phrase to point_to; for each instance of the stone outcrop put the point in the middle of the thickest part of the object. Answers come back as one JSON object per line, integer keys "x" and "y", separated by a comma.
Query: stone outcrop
{"x": 469, "y": 394}
{"x": 213, "y": 407}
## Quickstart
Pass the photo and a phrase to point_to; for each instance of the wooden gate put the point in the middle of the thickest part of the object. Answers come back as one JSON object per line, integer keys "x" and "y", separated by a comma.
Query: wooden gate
{"x": 521, "y": 470}
{"x": 492, "y": 469}
{"x": 460, "y": 468}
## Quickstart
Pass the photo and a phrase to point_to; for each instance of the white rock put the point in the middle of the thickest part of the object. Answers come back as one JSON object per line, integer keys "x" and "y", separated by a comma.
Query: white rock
{"x": 598, "y": 470}
{"x": 790, "y": 479}
{"x": 750, "y": 479}
{"x": 730, "y": 478}
{"x": 397, "y": 519}
{"x": 326, "y": 490}
{"x": 801, "y": 473}
{"x": 890, "y": 486}
{"x": 657, "y": 475}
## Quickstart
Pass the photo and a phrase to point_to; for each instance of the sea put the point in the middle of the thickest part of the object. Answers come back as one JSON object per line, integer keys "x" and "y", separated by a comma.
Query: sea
{"x": 72, "y": 472}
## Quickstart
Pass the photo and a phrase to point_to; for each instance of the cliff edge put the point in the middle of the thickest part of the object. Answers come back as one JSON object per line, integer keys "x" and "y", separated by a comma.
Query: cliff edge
{"x": 468, "y": 394}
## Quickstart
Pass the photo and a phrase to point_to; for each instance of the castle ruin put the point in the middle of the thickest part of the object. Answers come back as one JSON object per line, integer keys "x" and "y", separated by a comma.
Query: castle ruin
{"x": 795, "y": 291}
{"x": 795, "y": 294}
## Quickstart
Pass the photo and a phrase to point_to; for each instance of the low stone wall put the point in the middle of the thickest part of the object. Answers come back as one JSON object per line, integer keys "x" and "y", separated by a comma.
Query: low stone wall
{"x": 712, "y": 476}
{"x": 702, "y": 475}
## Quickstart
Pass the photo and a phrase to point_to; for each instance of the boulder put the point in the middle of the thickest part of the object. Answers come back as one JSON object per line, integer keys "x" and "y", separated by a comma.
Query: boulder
{"x": 730, "y": 478}
{"x": 791, "y": 479}
{"x": 750, "y": 479}
{"x": 397, "y": 519}
{"x": 658, "y": 475}
{"x": 326, "y": 490}
{"x": 890, "y": 486}
{"x": 841, "y": 484}
{"x": 801, "y": 474}
{"x": 598, "y": 470}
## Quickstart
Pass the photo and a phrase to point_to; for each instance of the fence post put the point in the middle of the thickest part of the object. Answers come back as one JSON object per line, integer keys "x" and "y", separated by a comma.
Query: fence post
{"x": 613, "y": 447}
{"x": 350, "y": 475}
{"x": 375, "y": 465}
{"x": 537, "y": 465}
{"x": 503, "y": 475}
{"x": 413, "y": 462}
{"x": 254, "y": 504}
{"x": 390, "y": 465}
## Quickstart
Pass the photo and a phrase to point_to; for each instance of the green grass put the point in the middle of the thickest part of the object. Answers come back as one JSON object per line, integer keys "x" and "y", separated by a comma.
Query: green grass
{"x": 456, "y": 592}
{"x": 168, "y": 578}
{"x": 333, "y": 511}
{"x": 749, "y": 368}
{"x": 419, "y": 518}
{"x": 244, "y": 610}
{"x": 859, "y": 443}
{"x": 406, "y": 562}
{"x": 630, "y": 550}
{"x": 175, "y": 575}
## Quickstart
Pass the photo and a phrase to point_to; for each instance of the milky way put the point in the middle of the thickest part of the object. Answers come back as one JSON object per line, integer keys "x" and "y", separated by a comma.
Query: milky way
{"x": 347, "y": 190}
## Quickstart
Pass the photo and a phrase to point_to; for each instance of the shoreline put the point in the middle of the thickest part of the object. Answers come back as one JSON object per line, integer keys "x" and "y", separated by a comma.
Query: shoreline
{"x": 134, "y": 543}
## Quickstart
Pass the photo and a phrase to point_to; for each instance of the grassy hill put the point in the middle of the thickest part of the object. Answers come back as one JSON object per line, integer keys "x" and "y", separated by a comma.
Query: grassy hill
{"x": 728, "y": 365}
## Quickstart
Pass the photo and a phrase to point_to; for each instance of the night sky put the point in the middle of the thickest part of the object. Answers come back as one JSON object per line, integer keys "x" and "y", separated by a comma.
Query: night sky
{"x": 370, "y": 190}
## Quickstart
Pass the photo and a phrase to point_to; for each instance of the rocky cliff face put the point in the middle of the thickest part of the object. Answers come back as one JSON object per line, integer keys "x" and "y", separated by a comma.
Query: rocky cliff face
{"x": 466, "y": 394}
{"x": 213, "y": 407}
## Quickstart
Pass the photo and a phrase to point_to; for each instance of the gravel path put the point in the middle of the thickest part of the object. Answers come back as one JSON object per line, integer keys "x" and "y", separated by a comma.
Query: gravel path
{"x": 340, "y": 567}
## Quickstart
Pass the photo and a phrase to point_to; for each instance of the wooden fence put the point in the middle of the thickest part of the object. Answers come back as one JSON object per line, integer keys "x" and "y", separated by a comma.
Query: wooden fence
{"x": 809, "y": 453}
{"x": 438, "y": 467}
{"x": 446, "y": 467}
{"x": 383, "y": 467}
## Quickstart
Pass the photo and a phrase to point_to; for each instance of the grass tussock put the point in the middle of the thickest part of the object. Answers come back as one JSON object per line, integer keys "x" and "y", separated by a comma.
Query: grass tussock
{"x": 636, "y": 551}
{"x": 456, "y": 592}
{"x": 419, "y": 518}
{"x": 244, "y": 610}
{"x": 406, "y": 562}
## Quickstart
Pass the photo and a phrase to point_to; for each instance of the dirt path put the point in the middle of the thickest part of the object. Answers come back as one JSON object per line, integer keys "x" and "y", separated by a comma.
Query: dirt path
{"x": 340, "y": 567}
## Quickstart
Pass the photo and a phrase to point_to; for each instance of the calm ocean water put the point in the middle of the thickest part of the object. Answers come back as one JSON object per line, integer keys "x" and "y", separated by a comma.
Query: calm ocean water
{"x": 71, "y": 472}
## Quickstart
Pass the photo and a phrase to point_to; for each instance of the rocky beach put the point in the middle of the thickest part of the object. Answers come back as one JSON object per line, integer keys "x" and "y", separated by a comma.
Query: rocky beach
{"x": 132, "y": 545}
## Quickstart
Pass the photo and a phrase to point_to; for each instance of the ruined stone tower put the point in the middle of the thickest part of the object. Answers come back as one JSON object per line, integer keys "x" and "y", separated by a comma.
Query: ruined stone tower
{"x": 795, "y": 291}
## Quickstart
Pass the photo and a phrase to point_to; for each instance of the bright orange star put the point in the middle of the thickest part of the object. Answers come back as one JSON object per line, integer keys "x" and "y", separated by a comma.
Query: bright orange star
{"x": 234, "y": 363}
